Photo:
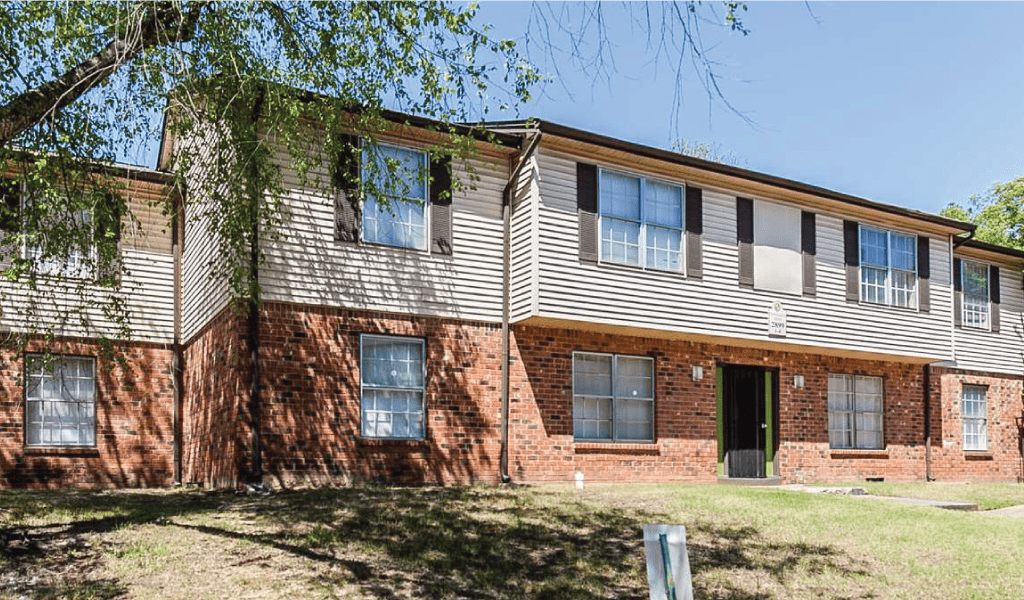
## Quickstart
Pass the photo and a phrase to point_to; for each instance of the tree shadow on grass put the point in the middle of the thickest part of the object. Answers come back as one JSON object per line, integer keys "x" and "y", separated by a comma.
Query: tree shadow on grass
{"x": 476, "y": 542}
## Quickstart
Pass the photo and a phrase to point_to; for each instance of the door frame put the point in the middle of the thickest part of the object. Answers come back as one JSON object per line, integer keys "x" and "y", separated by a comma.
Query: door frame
{"x": 771, "y": 412}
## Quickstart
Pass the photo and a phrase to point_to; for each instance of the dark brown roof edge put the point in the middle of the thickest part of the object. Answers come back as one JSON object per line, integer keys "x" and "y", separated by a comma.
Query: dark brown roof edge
{"x": 124, "y": 170}
{"x": 980, "y": 245}
{"x": 697, "y": 163}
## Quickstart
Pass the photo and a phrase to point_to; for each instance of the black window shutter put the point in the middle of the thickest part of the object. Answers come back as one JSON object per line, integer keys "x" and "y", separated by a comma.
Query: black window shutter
{"x": 441, "y": 205}
{"x": 107, "y": 239}
{"x": 10, "y": 220}
{"x": 993, "y": 297}
{"x": 851, "y": 258}
{"x": 809, "y": 250}
{"x": 924, "y": 290}
{"x": 745, "y": 240}
{"x": 694, "y": 232}
{"x": 958, "y": 294}
{"x": 586, "y": 209}
{"x": 346, "y": 180}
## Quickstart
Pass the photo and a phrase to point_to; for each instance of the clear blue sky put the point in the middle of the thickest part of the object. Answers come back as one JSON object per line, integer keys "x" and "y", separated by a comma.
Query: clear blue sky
{"x": 914, "y": 104}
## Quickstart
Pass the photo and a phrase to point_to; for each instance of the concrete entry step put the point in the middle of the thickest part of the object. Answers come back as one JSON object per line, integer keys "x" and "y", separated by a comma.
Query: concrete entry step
{"x": 750, "y": 480}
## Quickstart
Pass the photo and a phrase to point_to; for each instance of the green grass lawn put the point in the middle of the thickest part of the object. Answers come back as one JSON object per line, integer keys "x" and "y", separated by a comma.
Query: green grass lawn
{"x": 495, "y": 542}
{"x": 986, "y": 495}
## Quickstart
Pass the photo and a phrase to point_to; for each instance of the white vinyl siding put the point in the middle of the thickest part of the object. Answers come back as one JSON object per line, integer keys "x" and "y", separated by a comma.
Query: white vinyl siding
{"x": 398, "y": 215}
{"x": 974, "y": 279}
{"x": 392, "y": 386}
{"x": 641, "y": 222}
{"x": 305, "y": 265}
{"x": 60, "y": 401}
{"x": 997, "y": 351}
{"x": 974, "y": 414}
{"x": 613, "y": 397}
{"x": 888, "y": 268}
{"x": 855, "y": 412}
{"x": 568, "y": 290}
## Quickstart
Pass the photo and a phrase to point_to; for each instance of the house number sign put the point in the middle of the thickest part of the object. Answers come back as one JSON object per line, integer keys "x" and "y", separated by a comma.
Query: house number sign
{"x": 776, "y": 320}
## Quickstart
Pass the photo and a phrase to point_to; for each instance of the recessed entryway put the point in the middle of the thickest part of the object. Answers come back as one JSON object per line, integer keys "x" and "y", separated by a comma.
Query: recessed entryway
{"x": 747, "y": 417}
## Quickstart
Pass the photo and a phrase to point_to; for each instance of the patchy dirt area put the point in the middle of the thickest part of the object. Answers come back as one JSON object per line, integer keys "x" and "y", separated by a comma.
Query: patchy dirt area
{"x": 490, "y": 542}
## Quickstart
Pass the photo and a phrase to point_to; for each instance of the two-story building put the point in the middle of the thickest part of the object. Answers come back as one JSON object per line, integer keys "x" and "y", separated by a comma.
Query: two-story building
{"x": 583, "y": 305}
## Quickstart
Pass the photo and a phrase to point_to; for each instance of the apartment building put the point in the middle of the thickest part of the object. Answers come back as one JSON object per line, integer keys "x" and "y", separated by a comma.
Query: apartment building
{"x": 581, "y": 305}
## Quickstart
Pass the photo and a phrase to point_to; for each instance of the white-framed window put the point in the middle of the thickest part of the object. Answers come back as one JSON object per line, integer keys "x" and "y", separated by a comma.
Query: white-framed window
{"x": 396, "y": 215}
{"x": 855, "y": 412}
{"x": 974, "y": 280}
{"x": 974, "y": 414}
{"x": 612, "y": 397}
{"x": 888, "y": 267}
{"x": 60, "y": 401}
{"x": 641, "y": 221}
{"x": 77, "y": 263}
{"x": 392, "y": 386}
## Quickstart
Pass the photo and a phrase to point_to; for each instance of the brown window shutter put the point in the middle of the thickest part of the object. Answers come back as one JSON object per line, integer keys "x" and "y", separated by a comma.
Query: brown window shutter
{"x": 346, "y": 181}
{"x": 958, "y": 294}
{"x": 107, "y": 239}
{"x": 745, "y": 240}
{"x": 586, "y": 209}
{"x": 809, "y": 250}
{"x": 441, "y": 205}
{"x": 851, "y": 258}
{"x": 694, "y": 232}
{"x": 993, "y": 298}
{"x": 924, "y": 289}
{"x": 10, "y": 221}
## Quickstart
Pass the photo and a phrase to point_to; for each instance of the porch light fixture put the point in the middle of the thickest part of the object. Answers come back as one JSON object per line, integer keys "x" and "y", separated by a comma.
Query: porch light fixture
{"x": 798, "y": 381}
{"x": 698, "y": 372}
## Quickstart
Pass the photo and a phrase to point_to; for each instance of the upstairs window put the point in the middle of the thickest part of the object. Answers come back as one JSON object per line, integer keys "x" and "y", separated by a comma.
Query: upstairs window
{"x": 613, "y": 397}
{"x": 641, "y": 222}
{"x": 974, "y": 414}
{"x": 888, "y": 268}
{"x": 394, "y": 213}
{"x": 974, "y": 278}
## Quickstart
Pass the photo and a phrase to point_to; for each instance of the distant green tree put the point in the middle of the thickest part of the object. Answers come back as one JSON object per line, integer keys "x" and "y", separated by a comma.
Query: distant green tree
{"x": 999, "y": 214}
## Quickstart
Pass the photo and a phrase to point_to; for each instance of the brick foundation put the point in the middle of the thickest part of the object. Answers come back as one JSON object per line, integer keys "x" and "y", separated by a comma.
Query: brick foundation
{"x": 310, "y": 408}
{"x": 216, "y": 445}
{"x": 1002, "y": 459}
{"x": 685, "y": 447}
{"x": 134, "y": 436}
{"x": 311, "y": 399}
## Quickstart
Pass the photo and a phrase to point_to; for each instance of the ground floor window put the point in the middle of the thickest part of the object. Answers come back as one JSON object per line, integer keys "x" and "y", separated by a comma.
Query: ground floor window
{"x": 393, "y": 372}
{"x": 974, "y": 414}
{"x": 60, "y": 401}
{"x": 855, "y": 411}
{"x": 613, "y": 397}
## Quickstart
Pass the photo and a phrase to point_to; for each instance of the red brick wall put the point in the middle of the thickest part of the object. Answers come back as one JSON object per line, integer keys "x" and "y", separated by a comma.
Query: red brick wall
{"x": 310, "y": 404}
{"x": 216, "y": 448}
{"x": 1002, "y": 460}
{"x": 309, "y": 362}
{"x": 134, "y": 437}
{"x": 685, "y": 413}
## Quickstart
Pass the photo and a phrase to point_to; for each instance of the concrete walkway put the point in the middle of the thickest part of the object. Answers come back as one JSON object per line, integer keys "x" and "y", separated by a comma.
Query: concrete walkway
{"x": 1015, "y": 512}
{"x": 861, "y": 493}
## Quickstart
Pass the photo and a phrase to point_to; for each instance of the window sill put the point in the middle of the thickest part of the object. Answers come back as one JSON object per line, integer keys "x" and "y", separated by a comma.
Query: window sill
{"x": 906, "y": 309}
{"x": 978, "y": 455}
{"x": 855, "y": 453}
{"x": 392, "y": 442}
{"x": 616, "y": 448}
{"x": 61, "y": 451}
{"x": 629, "y": 267}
